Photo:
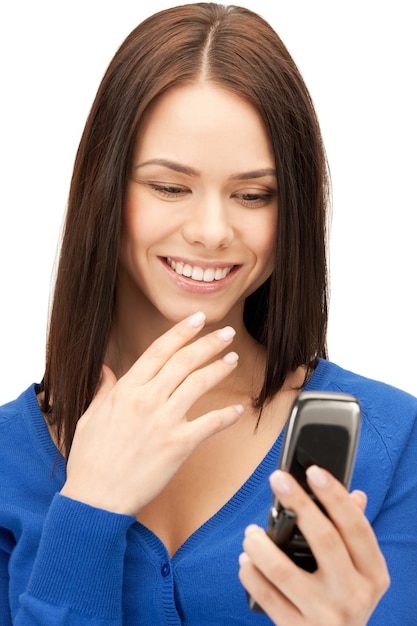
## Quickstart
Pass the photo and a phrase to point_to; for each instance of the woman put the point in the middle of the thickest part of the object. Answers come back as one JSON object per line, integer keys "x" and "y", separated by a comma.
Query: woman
{"x": 190, "y": 308}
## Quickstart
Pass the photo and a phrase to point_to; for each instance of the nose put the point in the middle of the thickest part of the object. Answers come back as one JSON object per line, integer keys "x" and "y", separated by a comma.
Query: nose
{"x": 209, "y": 225}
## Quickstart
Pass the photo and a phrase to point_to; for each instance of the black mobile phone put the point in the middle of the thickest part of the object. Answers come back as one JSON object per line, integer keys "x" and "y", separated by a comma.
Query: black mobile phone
{"x": 322, "y": 429}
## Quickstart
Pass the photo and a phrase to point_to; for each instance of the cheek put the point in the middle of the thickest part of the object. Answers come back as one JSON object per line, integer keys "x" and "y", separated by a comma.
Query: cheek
{"x": 139, "y": 227}
{"x": 133, "y": 240}
{"x": 147, "y": 221}
{"x": 264, "y": 240}
{"x": 266, "y": 245}
{"x": 130, "y": 219}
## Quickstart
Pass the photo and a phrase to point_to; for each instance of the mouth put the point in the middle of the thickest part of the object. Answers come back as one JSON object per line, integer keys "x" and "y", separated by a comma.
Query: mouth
{"x": 198, "y": 273}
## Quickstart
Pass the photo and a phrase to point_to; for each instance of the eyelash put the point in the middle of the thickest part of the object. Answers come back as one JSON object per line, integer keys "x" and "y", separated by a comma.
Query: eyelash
{"x": 254, "y": 200}
{"x": 168, "y": 191}
{"x": 250, "y": 200}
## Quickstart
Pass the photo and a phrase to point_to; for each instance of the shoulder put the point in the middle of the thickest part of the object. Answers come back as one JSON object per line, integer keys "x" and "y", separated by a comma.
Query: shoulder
{"x": 13, "y": 409}
{"x": 388, "y": 440}
{"x": 379, "y": 400}
{"x": 15, "y": 427}
{"x": 22, "y": 406}
{"x": 22, "y": 429}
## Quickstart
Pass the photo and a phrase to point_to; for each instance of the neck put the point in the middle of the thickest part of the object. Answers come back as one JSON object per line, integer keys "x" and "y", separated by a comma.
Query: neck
{"x": 137, "y": 325}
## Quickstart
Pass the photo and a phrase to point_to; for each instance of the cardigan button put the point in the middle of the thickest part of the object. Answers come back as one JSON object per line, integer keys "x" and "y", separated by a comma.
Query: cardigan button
{"x": 165, "y": 570}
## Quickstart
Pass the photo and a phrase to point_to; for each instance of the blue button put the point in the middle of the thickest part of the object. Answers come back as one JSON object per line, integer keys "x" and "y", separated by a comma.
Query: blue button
{"x": 165, "y": 570}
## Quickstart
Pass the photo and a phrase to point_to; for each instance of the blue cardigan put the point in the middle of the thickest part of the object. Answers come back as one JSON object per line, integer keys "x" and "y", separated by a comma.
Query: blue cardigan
{"x": 64, "y": 562}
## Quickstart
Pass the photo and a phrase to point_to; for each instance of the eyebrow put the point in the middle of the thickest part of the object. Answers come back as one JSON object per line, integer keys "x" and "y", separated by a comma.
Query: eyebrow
{"x": 189, "y": 171}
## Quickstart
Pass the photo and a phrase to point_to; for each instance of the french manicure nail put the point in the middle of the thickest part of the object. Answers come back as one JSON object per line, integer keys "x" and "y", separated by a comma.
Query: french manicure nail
{"x": 316, "y": 476}
{"x": 196, "y": 320}
{"x": 280, "y": 482}
{"x": 231, "y": 357}
{"x": 227, "y": 333}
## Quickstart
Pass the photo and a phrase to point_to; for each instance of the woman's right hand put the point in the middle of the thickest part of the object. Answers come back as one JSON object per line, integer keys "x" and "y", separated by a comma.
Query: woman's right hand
{"x": 135, "y": 434}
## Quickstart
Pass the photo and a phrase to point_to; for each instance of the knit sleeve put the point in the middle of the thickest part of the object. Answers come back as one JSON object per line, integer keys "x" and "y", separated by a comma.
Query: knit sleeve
{"x": 395, "y": 527}
{"x": 77, "y": 574}
{"x": 4, "y": 596}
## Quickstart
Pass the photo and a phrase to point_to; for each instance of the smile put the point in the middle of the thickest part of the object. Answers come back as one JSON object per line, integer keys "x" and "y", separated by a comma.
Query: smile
{"x": 197, "y": 273}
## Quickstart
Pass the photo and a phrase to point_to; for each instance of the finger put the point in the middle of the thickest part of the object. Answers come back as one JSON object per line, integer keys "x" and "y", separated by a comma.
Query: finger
{"x": 360, "y": 498}
{"x": 354, "y": 528}
{"x": 211, "y": 423}
{"x": 200, "y": 381}
{"x": 328, "y": 547}
{"x": 186, "y": 364}
{"x": 263, "y": 570}
{"x": 162, "y": 349}
{"x": 323, "y": 535}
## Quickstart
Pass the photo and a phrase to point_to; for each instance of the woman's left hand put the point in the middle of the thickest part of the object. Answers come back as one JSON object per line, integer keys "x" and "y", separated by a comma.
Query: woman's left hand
{"x": 351, "y": 576}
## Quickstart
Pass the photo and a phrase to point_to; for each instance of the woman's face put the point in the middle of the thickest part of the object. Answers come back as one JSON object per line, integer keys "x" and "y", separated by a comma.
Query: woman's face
{"x": 201, "y": 207}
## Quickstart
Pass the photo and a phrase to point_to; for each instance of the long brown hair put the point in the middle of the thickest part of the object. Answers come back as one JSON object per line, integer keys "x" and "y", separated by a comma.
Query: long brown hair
{"x": 234, "y": 48}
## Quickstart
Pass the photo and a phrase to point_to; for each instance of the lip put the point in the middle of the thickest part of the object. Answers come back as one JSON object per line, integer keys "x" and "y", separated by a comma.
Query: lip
{"x": 200, "y": 286}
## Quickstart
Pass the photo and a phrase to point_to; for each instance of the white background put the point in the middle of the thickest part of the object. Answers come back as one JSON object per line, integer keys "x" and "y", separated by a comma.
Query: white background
{"x": 359, "y": 61}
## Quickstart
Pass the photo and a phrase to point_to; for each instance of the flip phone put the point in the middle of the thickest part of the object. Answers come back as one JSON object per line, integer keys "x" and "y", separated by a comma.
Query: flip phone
{"x": 322, "y": 429}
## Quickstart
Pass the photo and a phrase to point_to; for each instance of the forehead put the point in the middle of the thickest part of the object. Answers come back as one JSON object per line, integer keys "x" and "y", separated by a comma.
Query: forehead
{"x": 189, "y": 119}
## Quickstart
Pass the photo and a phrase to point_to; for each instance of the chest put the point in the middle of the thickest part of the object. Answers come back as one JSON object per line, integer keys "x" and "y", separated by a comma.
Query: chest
{"x": 199, "y": 584}
{"x": 206, "y": 482}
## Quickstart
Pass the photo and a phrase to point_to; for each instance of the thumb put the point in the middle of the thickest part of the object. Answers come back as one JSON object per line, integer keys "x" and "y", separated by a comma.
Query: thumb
{"x": 107, "y": 380}
{"x": 105, "y": 385}
{"x": 360, "y": 498}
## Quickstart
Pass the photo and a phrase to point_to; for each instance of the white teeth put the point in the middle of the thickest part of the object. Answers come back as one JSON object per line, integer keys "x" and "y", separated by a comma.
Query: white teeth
{"x": 208, "y": 275}
{"x": 219, "y": 274}
{"x": 198, "y": 273}
{"x": 187, "y": 271}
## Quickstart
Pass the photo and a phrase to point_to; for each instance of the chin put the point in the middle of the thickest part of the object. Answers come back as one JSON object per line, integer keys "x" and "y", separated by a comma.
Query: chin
{"x": 214, "y": 315}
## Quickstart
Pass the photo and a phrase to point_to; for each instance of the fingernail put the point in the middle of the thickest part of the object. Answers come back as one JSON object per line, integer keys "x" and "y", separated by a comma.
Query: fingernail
{"x": 239, "y": 408}
{"x": 243, "y": 558}
{"x": 280, "y": 482}
{"x": 197, "y": 320}
{"x": 227, "y": 333}
{"x": 251, "y": 529}
{"x": 231, "y": 357}
{"x": 316, "y": 476}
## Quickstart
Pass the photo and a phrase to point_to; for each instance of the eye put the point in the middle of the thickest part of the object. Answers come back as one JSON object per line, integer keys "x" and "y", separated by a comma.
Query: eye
{"x": 168, "y": 191}
{"x": 255, "y": 199}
